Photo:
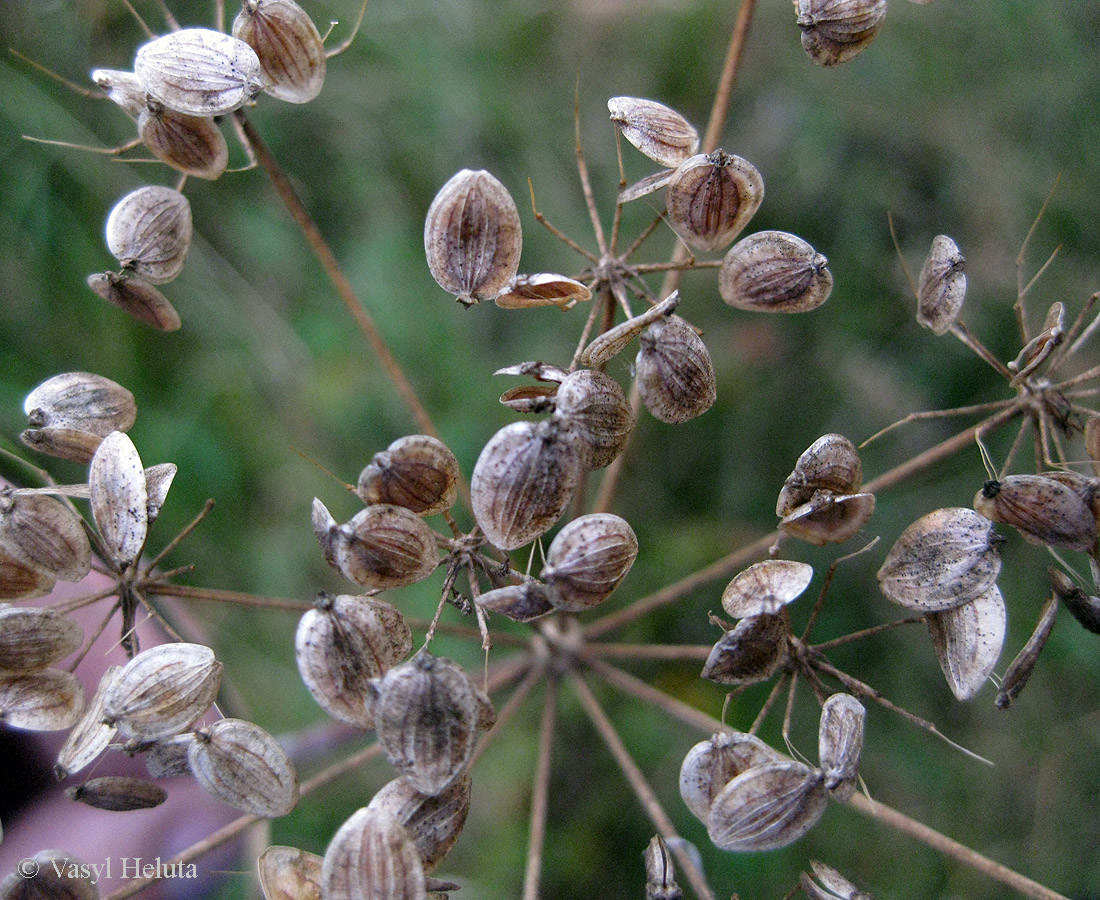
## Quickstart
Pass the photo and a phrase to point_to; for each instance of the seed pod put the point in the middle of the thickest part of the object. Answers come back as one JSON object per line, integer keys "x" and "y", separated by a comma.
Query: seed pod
{"x": 543, "y": 289}
{"x": 831, "y": 463}
{"x": 193, "y": 145}
{"x": 614, "y": 340}
{"x": 659, "y": 132}
{"x": 712, "y": 764}
{"x": 941, "y": 287}
{"x": 45, "y": 533}
{"x": 943, "y": 560}
{"x": 428, "y": 715}
{"x": 828, "y": 518}
{"x": 78, "y": 401}
{"x": 773, "y": 271}
{"x": 434, "y": 823}
{"x": 588, "y": 559}
{"x": 199, "y": 72}
{"x": 51, "y": 875}
{"x": 91, "y": 735}
{"x": 44, "y": 700}
{"x": 711, "y": 198}
{"x": 118, "y": 793}
{"x": 21, "y": 580}
{"x": 137, "y": 298}
{"x": 1044, "y": 510}
{"x": 754, "y": 651}
{"x": 766, "y": 587}
{"x": 149, "y": 232}
{"x": 35, "y": 637}
{"x": 472, "y": 237}
{"x": 120, "y": 499}
{"x": 1083, "y": 608}
{"x": 122, "y": 88}
{"x": 529, "y": 398}
{"x": 766, "y": 807}
{"x": 675, "y": 374}
{"x": 523, "y": 480}
{"x": 417, "y": 472}
{"x": 288, "y": 45}
{"x": 287, "y": 873}
{"x": 243, "y": 765}
{"x": 833, "y": 31}
{"x": 598, "y": 412}
{"x": 385, "y": 546}
{"x": 170, "y": 757}
{"x": 660, "y": 874}
{"x": 1020, "y": 669}
{"x": 840, "y": 743}
{"x": 968, "y": 640}
{"x": 158, "y": 481}
{"x": 519, "y": 602}
{"x": 162, "y": 690}
{"x": 372, "y": 857}
{"x": 341, "y": 644}
{"x": 834, "y": 886}
{"x": 1035, "y": 351}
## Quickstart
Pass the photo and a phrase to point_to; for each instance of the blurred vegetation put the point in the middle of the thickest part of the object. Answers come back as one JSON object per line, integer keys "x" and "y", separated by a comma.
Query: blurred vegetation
{"x": 958, "y": 119}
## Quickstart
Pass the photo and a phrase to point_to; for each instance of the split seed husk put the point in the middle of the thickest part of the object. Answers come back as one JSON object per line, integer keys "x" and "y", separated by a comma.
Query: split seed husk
{"x": 91, "y": 735}
{"x": 243, "y": 765}
{"x": 941, "y": 287}
{"x": 149, "y": 232}
{"x": 122, "y": 88}
{"x": 674, "y": 371}
{"x": 418, "y": 472}
{"x": 543, "y": 289}
{"x": 287, "y": 873}
{"x": 288, "y": 45}
{"x": 840, "y": 743}
{"x": 834, "y": 886}
{"x": 660, "y": 873}
{"x": 614, "y": 340}
{"x": 773, "y": 271}
{"x": 711, "y": 198}
{"x": 1020, "y": 669}
{"x": 659, "y": 132}
{"x": 137, "y": 298}
{"x": 766, "y": 587}
{"x": 968, "y": 641}
{"x": 753, "y": 651}
{"x": 712, "y": 764}
{"x": 834, "y": 31}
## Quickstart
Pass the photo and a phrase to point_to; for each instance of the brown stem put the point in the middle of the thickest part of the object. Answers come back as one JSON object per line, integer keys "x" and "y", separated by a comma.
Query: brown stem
{"x": 734, "y": 52}
{"x": 645, "y": 692}
{"x": 223, "y": 596}
{"x": 689, "y": 652}
{"x": 540, "y": 793}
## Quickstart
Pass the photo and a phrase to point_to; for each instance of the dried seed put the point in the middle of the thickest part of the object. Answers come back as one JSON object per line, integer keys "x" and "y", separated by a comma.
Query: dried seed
{"x": 122, "y": 88}
{"x": 833, "y": 31}
{"x": 941, "y": 287}
{"x": 588, "y": 559}
{"x": 372, "y": 857}
{"x": 120, "y": 499}
{"x": 773, "y": 271}
{"x": 614, "y": 340}
{"x": 35, "y": 637}
{"x": 91, "y": 735}
{"x": 711, "y": 198}
{"x": 341, "y": 644}
{"x": 1083, "y": 608}
{"x": 199, "y": 72}
{"x": 169, "y": 757}
{"x": 834, "y": 886}
{"x": 766, "y": 587}
{"x": 384, "y": 546}
{"x": 943, "y": 560}
{"x": 472, "y": 237}
{"x": 659, "y": 132}
{"x": 45, "y": 533}
{"x": 753, "y": 651}
{"x": 968, "y": 640}
{"x": 82, "y": 401}
{"x": 543, "y": 289}
{"x": 44, "y": 700}
{"x": 831, "y": 463}
{"x": 523, "y": 480}
{"x": 1020, "y": 669}
{"x": 766, "y": 807}
{"x": 149, "y": 232}
{"x": 243, "y": 765}
{"x": 137, "y": 298}
{"x": 660, "y": 873}
{"x": 840, "y": 743}
{"x": 21, "y": 580}
{"x": 193, "y": 145}
{"x": 529, "y": 398}
{"x": 828, "y": 518}
{"x": 712, "y": 764}
{"x": 1043, "y": 509}
{"x": 288, "y": 45}
{"x": 674, "y": 371}
{"x": 287, "y": 873}
{"x": 118, "y": 793}
{"x": 52, "y": 875}
{"x": 434, "y": 823}
{"x": 158, "y": 481}
{"x": 519, "y": 602}
{"x": 643, "y": 187}
{"x": 417, "y": 472}
{"x": 598, "y": 412}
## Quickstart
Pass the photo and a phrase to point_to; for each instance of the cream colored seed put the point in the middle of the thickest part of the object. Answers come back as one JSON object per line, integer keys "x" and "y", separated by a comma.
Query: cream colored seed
{"x": 434, "y": 823}
{"x": 287, "y": 873}
{"x": 968, "y": 641}
{"x": 44, "y": 700}
{"x": 840, "y": 743}
{"x": 149, "y": 232}
{"x": 773, "y": 271}
{"x": 120, "y": 498}
{"x": 766, "y": 587}
{"x": 712, "y": 764}
{"x": 35, "y": 637}
{"x": 372, "y": 857}
{"x": 659, "y": 132}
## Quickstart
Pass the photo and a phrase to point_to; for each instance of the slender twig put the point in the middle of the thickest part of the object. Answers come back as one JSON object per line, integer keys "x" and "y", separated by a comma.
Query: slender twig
{"x": 866, "y": 632}
{"x": 534, "y": 674}
{"x": 540, "y": 793}
{"x": 650, "y": 651}
{"x": 223, "y": 596}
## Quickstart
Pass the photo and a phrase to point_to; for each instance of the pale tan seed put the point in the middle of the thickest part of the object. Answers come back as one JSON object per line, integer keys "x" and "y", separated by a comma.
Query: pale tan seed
{"x": 44, "y": 532}
{"x": 711, "y": 198}
{"x": 766, "y": 587}
{"x": 712, "y": 764}
{"x": 385, "y": 546}
{"x": 149, "y": 232}
{"x": 120, "y": 499}
{"x": 773, "y": 271}
{"x": 21, "y": 580}
{"x": 287, "y": 873}
{"x": 941, "y": 287}
{"x": 834, "y": 31}
{"x": 122, "y": 88}
{"x": 656, "y": 130}
{"x": 158, "y": 481}
{"x": 35, "y": 637}
{"x": 830, "y": 463}
{"x": 753, "y": 651}
{"x": 372, "y": 857}
{"x": 58, "y": 875}
{"x": 118, "y": 793}
{"x": 543, "y": 289}
{"x": 643, "y": 187}
{"x": 137, "y": 298}
{"x": 434, "y": 823}
{"x": 44, "y": 700}
{"x": 588, "y": 559}
{"x": 968, "y": 641}
{"x": 599, "y": 414}
{"x": 82, "y": 401}
{"x": 418, "y": 472}
{"x": 674, "y": 371}
{"x": 288, "y": 45}
{"x": 840, "y": 743}
{"x": 91, "y": 735}
{"x": 519, "y": 602}
{"x": 241, "y": 764}
{"x": 834, "y": 886}
{"x": 1045, "y": 510}
{"x": 193, "y": 145}
{"x": 660, "y": 873}
{"x": 828, "y": 518}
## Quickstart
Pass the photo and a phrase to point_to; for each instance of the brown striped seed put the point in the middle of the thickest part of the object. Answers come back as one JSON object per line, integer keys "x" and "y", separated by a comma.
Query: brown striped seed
{"x": 149, "y": 232}
{"x": 773, "y": 271}
{"x": 288, "y": 46}
{"x": 834, "y": 31}
{"x": 659, "y": 132}
{"x": 711, "y": 198}
{"x": 241, "y": 764}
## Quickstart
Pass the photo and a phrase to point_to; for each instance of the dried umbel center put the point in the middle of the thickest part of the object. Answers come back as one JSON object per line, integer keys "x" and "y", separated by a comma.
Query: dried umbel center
{"x": 711, "y": 198}
{"x": 968, "y": 640}
{"x": 149, "y": 232}
{"x": 753, "y": 651}
{"x": 941, "y": 287}
{"x": 44, "y": 533}
{"x": 588, "y": 559}
{"x": 773, "y": 271}
{"x": 199, "y": 72}
{"x": 418, "y": 472}
{"x": 674, "y": 371}
{"x": 372, "y": 857}
{"x": 1045, "y": 510}
{"x": 243, "y": 765}
{"x": 820, "y": 501}
{"x": 523, "y": 480}
{"x": 599, "y": 414}
{"x": 35, "y": 637}
{"x": 766, "y": 587}
{"x": 193, "y": 145}
{"x": 136, "y": 297}
{"x": 833, "y": 31}
{"x": 659, "y": 132}
{"x": 118, "y": 793}
{"x": 472, "y": 237}
{"x": 712, "y": 764}
{"x": 68, "y": 415}
{"x": 434, "y": 823}
{"x": 840, "y": 743}
{"x": 43, "y": 700}
{"x": 288, "y": 46}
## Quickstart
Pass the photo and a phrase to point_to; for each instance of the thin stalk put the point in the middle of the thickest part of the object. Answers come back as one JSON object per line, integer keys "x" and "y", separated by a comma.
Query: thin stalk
{"x": 222, "y": 596}
{"x": 650, "y": 651}
{"x": 866, "y": 632}
{"x": 970, "y": 340}
{"x": 175, "y": 542}
{"x": 532, "y": 677}
{"x": 540, "y": 793}
{"x": 645, "y": 692}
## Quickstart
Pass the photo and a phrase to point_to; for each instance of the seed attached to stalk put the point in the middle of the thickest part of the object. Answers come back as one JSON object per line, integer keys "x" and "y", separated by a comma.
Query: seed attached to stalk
{"x": 941, "y": 287}
{"x": 149, "y": 233}
{"x": 288, "y": 46}
{"x": 659, "y": 132}
{"x": 674, "y": 370}
{"x": 834, "y": 31}
{"x": 711, "y": 198}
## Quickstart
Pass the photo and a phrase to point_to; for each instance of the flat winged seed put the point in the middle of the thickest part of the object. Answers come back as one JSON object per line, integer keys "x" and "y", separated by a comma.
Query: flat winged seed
{"x": 1045, "y": 510}
{"x": 833, "y": 31}
{"x": 120, "y": 498}
{"x": 660, "y": 873}
{"x": 243, "y": 765}
{"x": 1020, "y": 669}
{"x": 118, "y": 793}
{"x": 518, "y": 602}
{"x": 287, "y": 873}
{"x": 543, "y": 289}
{"x": 50, "y": 875}
{"x": 472, "y": 237}
{"x": 372, "y": 857}
{"x": 149, "y": 232}
{"x": 659, "y": 132}
{"x": 162, "y": 690}
{"x": 941, "y": 287}
{"x": 434, "y": 823}
{"x": 598, "y": 412}
{"x": 83, "y": 401}
{"x": 829, "y": 518}
{"x": 91, "y": 735}
{"x": 122, "y": 88}
{"x": 35, "y": 637}
{"x": 753, "y": 651}
{"x": 588, "y": 559}
{"x": 712, "y": 764}
{"x": 529, "y": 398}
{"x": 44, "y": 700}
{"x": 137, "y": 298}
{"x": 766, "y": 587}
{"x": 834, "y": 886}
{"x": 341, "y": 644}
{"x": 523, "y": 480}
{"x": 288, "y": 45}
{"x": 193, "y": 145}
{"x": 418, "y": 472}
{"x": 428, "y": 716}
{"x": 614, "y": 340}
{"x": 675, "y": 373}
{"x": 830, "y": 463}
{"x": 327, "y": 530}
{"x": 199, "y": 72}
{"x": 840, "y": 743}
{"x": 766, "y": 807}
{"x": 773, "y": 271}
{"x": 643, "y": 187}
{"x": 158, "y": 480}
{"x": 943, "y": 560}
{"x": 385, "y": 546}
{"x": 968, "y": 641}
{"x": 21, "y": 580}
{"x": 45, "y": 533}
{"x": 1083, "y": 608}
{"x": 711, "y": 198}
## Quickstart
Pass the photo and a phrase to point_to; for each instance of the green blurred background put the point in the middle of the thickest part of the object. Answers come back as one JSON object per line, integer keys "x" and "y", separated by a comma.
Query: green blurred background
{"x": 957, "y": 119}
